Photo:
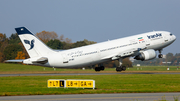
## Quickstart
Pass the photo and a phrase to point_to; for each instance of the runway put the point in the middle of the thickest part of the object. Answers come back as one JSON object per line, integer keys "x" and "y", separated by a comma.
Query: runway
{"x": 54, "y": 74}
{"x": 97, "y": 97}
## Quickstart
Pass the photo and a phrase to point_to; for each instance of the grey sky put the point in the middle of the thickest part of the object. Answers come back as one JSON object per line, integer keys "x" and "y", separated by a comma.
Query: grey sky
{"x": 95, "y": 20}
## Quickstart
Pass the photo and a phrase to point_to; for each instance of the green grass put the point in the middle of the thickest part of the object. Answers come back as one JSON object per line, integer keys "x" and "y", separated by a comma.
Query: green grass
{"x": 6, "y": 68}
{"x": 128, "y": 83}
{"x": 154, "y": 68}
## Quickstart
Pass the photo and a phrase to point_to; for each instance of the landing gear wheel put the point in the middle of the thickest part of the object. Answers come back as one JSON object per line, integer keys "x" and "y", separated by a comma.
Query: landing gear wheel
{"x": 118, "y": 69}
{"x": 102, "y": 67}
{"x": 123, "y": 68}
{"x": 160, "y": 56}
{"x": 97, "y": 69}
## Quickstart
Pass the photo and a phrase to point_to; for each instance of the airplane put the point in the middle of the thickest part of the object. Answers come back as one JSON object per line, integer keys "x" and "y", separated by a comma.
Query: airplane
{"x": 142, "y": 47}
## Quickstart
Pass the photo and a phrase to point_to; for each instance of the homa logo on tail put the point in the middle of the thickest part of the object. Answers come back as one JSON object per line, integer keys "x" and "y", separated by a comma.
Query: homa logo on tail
{"x": 154, "y": 36}
{"x": 31, "y": 44}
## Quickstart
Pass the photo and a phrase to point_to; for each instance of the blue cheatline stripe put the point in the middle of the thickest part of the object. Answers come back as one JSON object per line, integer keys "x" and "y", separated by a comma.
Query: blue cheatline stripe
{"x": 22, "y": 30}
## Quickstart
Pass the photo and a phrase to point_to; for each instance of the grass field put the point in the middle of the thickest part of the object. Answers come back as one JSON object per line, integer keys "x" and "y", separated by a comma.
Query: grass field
{"x": 19, "y": 69}
{"x": 133, "y": 83}
{"x": 127, "y": 83}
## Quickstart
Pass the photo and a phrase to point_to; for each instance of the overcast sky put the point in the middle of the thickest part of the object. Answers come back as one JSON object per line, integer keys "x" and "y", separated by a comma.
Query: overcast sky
{"x": 94, "y": 20}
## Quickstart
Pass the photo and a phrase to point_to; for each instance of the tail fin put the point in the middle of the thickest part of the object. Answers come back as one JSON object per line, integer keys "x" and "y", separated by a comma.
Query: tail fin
{"x": 32, "y": 44}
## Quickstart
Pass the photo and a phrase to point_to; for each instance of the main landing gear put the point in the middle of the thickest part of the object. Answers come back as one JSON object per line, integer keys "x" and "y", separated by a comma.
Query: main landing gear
{"x": 120, "y": 68}
{"x": 99, "y": 68}
{"x": 160, "y": 55}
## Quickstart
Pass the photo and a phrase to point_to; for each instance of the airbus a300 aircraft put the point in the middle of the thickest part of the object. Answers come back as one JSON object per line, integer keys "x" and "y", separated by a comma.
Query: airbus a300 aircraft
{"x": 141, "y": 47}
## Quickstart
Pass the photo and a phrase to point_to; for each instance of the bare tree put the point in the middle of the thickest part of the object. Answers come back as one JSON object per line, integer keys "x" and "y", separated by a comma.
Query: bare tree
{"x": 46, "y": 36}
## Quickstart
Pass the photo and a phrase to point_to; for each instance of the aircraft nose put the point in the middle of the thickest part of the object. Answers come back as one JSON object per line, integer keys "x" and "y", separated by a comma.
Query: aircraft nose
{"x": 174, "y": 37}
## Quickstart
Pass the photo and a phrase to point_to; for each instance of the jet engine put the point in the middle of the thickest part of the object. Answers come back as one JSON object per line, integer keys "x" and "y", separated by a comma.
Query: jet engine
{"x": 146, "y": 55}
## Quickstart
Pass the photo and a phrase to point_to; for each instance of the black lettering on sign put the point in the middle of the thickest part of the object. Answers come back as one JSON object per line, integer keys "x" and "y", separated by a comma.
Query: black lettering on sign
{"x": 57, "y": 83}
{"x": 81, "y": 83}
{"x": 71, "y": 83}
{"x": 54, "y": 83}
{"x": 85, "y": 83}
{"x": 50, "y": 83}
{"x": 68, "y": 83}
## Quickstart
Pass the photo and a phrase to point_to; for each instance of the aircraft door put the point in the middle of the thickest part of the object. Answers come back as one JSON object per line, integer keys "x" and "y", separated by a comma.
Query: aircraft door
{"x": 99, "y": 53}
{"x": 65, "y": 58}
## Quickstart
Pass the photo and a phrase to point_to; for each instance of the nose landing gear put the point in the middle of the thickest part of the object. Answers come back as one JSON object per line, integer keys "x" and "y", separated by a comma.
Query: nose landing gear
{"x": 160, "y": 55}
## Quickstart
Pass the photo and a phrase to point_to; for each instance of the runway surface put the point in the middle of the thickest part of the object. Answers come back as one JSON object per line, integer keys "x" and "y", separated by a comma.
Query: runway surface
{"x": 97, "y": 97}
{"x": 5, "y": 75}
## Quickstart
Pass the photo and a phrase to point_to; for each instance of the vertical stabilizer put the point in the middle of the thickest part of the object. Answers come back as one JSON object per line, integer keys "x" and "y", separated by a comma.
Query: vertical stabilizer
{"x": 32, "y": 44}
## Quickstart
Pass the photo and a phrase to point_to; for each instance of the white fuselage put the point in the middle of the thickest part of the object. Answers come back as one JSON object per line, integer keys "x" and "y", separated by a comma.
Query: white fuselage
{"x": 102, "y": 52}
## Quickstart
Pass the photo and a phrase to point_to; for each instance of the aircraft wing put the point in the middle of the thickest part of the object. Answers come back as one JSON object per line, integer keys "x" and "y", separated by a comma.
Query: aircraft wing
{"x": 128, "y": 53}
{"x": 124, "y": 54}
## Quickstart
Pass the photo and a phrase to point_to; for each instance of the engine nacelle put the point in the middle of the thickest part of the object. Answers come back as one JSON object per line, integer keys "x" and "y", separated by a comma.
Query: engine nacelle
{"x": 146, "y": 55}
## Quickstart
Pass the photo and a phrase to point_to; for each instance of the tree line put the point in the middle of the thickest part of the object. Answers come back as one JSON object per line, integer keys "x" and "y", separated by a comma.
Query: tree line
{"x": 12, "y": 48}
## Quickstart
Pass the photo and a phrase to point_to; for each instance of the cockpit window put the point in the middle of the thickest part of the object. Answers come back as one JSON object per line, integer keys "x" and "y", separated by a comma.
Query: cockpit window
{"x": 171, "y": 34}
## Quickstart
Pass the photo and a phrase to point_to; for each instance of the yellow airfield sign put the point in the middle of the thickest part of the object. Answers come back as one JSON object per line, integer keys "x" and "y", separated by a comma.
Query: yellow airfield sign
{"x": 55, "y": 83}
{"x": 80, "y": 83}
{"x": 71, "y": 83}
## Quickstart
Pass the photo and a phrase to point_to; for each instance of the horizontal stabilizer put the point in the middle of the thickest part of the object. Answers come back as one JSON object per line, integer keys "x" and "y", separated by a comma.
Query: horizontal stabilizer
{"x": 19, "y": 60}
{"x": 42, "y": 60}
{"x": 36, "y": 60}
